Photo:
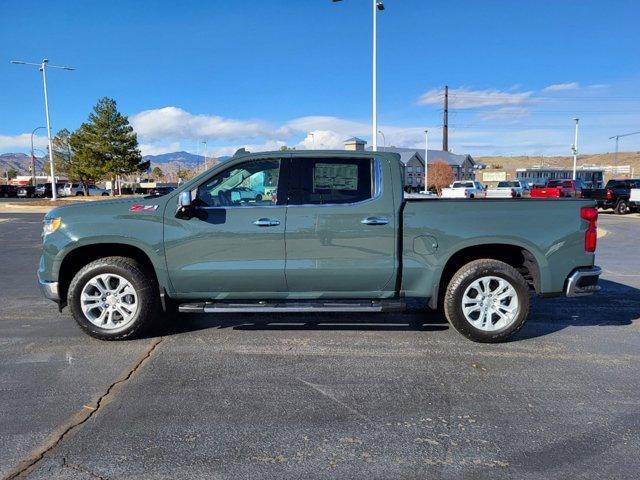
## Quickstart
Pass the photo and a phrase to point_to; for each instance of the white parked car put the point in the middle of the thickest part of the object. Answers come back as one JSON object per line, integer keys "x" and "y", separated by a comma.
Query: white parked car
{"x": 464, "y": 189}
{"x": 634, "y": 199}
{"x": 77, "y": 189}
{"x": 509, "y": 189}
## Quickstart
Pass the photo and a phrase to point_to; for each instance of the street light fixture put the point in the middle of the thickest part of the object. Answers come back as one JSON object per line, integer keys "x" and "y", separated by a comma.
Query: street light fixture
{"x": 377, "y": 6}
{"x": 43, "y": 68}
{"x": 384, "y": 139}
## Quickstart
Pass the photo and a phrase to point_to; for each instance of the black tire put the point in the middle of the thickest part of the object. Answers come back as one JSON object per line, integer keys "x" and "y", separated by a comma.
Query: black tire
{"x": 259, "y": 197}
{"x": 145, "y": 286}
{"x": 465, "y": 277}
{"x": 79, "y": 194}
{"x": 105, "y": 194}
{"x": 622, "y": 207}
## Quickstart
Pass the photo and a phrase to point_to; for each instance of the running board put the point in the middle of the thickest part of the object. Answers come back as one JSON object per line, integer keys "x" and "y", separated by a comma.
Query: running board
{"x": 294, "y": 306}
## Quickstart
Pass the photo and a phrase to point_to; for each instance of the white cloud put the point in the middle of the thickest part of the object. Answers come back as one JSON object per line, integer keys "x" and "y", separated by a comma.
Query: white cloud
{"x": 561, "y": 87}
{"x": 21, "y": 142}
{"x": 173, "y": 123}
{"x": 463, "y": 98}
{"x": 505, "y": 113}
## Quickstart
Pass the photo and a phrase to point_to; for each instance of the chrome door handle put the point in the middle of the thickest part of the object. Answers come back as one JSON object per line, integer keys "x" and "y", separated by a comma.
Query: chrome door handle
{"x": 266, "y": 222}
{"x": 374, "y": 221}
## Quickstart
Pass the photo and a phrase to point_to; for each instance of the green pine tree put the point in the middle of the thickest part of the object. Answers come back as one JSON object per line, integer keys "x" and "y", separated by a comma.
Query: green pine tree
{"x": 106, "y": 146}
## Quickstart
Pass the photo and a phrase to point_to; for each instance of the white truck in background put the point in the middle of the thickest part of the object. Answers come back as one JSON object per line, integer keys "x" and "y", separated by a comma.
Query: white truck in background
{"x": 509, "y": 189}
{"x": 464, "y": 189}
{"x": 634, "y": 199}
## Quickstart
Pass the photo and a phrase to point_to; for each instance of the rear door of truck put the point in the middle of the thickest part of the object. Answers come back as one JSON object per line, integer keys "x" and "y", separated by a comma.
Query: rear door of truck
{"x": 341, "y": 228}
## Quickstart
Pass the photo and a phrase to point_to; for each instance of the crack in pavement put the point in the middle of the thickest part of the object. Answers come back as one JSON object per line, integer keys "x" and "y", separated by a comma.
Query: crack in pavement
{"x": 25, "y": 466}
{"x": 81, "y": 469}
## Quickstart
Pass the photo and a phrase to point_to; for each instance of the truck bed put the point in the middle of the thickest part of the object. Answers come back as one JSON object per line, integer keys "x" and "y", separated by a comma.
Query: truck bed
{"x": 432, "y": 231}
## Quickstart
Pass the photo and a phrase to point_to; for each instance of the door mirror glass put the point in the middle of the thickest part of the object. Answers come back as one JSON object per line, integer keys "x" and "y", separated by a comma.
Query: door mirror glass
{"x": 184, "y": 200}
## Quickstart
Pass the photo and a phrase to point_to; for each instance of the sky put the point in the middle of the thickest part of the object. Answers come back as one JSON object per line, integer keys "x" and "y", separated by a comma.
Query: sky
{"x": 265, "y": 73}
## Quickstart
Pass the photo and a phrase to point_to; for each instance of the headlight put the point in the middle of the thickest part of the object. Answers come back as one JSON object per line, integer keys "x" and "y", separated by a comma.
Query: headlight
{"x": 51, "y": 225}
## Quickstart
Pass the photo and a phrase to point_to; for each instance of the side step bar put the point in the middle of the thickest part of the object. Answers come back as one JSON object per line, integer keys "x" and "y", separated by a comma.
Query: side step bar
{"x": 297, "y": 306}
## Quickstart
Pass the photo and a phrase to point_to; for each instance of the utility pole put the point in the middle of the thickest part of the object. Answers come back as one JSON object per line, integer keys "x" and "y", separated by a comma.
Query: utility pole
{"x": 205, "y": 154}
{"x": 377, "y": 6}
{"x": 574, "y": 148}
{"x": 445, "y": 121}
{"x": 33, "y": 158}
{"x": 426, "y": 161}
{"x": 43, "y": 68}
{"x": 617, "y": 137}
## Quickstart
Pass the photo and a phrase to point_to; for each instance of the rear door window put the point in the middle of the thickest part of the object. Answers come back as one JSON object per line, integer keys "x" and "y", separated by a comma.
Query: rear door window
{"x": 322, "y": 181}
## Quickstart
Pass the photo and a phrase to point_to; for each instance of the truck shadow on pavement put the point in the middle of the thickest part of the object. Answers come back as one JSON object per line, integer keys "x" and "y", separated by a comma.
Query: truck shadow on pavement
{"x": 616, "y": 304}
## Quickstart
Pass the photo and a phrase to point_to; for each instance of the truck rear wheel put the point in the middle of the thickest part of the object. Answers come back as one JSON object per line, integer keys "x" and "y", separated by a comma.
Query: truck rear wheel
{"x": 622, "y": 207}
{"x": 113, "y": 298}
{"x": 487, "y": 301}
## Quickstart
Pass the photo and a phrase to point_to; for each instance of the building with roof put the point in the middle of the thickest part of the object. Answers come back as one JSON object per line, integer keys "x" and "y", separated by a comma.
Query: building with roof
{"x": 464, "y": 166}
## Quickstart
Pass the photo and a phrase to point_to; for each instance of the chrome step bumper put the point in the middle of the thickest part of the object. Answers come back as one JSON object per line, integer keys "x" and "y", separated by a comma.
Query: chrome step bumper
{"x": 583, "y": 281}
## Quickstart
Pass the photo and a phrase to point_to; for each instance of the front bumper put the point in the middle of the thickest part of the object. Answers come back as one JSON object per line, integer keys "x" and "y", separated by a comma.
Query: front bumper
{"x": 583, "y": 281}
{"x": 50, "y": 290}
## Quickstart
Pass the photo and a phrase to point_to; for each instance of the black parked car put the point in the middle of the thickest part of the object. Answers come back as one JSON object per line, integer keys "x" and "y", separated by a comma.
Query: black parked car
{"x": 26, "y": 191}
{"x": 7, "y": 191}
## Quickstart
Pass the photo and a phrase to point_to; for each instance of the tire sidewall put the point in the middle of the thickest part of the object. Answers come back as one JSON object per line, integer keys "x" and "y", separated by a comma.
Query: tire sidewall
{"x": 465, "y": 277}
{"x": 132, "y": 273}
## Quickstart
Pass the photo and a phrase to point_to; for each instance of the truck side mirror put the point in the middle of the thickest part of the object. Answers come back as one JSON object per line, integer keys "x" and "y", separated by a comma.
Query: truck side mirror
{"x": 184, "y": 203}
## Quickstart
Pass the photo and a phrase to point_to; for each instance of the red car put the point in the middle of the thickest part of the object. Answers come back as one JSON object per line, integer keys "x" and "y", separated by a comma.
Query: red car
{"x": 559, "y": 189}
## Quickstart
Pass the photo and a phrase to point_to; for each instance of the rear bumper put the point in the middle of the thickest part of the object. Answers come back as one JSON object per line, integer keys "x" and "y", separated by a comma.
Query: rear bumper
{"x": 583, "y": 281}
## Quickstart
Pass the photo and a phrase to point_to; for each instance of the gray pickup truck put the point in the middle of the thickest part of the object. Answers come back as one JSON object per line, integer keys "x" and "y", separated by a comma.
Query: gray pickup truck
{"x": 325, "y": 231}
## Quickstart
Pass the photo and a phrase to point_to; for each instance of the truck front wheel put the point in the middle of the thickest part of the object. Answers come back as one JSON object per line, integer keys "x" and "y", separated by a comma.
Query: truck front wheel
{"x": 487, "y": 301}
{"x": 113, "y": 298}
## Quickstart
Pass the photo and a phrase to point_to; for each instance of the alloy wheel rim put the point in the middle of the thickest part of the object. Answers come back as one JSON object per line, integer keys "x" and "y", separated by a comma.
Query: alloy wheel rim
{"x": 109, "y": 301}
{"x": 490, "y": 303}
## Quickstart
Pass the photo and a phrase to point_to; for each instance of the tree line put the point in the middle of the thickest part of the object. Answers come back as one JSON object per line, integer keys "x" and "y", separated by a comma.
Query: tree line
{"x": 104, "y": 147}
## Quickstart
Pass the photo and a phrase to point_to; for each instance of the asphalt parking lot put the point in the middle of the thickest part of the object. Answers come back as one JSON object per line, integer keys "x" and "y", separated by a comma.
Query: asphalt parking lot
{"x": 322, "y": 396}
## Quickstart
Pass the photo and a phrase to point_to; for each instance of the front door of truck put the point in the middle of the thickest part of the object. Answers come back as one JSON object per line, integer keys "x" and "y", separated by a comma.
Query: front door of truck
{"x": 341, "y": 229}
{"x": 231, "y": 245}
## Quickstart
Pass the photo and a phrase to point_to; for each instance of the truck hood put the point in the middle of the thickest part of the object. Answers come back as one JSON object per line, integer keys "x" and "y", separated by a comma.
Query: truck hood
{"x": 110, "y": 208}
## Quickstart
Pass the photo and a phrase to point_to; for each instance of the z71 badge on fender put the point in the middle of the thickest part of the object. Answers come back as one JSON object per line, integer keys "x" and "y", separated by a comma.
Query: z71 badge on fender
{"x": 137, "y": 207}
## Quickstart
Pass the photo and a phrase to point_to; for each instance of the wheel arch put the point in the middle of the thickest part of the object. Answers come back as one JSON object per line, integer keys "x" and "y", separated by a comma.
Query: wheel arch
{"x": 80, "y": 256}
{"x": 518, "y": 256}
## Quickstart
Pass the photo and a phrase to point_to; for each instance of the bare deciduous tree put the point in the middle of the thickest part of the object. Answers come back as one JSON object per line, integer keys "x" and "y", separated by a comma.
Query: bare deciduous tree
{"x": 440, "y": 175}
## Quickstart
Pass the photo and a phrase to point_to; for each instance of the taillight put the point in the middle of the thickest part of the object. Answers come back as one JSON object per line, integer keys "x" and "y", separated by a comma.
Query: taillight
{"x": 590, "y": 214}
{"x": 609, "y": 194}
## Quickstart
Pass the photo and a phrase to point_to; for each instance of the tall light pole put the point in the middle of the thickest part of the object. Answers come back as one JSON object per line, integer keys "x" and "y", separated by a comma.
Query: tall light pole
{"x": 426, "y": 160}
{"x": 377, "y": 6}
{"x": 384, "y": 139}
{"x": 43, "y": 68}
{"x": 617, "y": 137}
{"x": 205, "y": 154}
{"x": 33, "y": 158}
{"x": 574, "y": 148}
{"x": 313, "y": 140}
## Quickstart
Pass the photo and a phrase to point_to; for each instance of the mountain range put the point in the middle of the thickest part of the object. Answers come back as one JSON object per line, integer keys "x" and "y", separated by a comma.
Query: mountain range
{"x": 168, "y": 162}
